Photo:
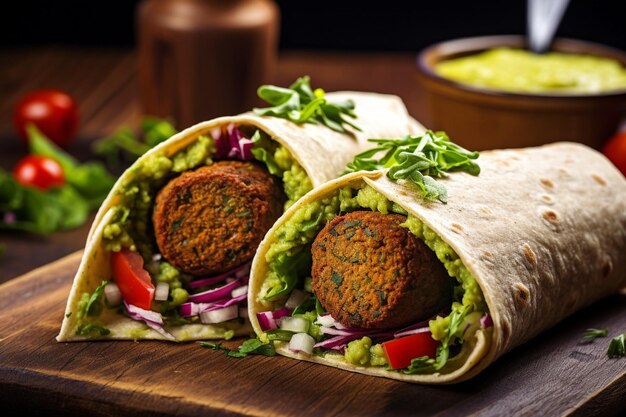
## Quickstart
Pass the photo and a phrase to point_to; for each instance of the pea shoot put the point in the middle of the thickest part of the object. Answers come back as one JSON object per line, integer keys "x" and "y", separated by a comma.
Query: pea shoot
{"x": 419, "y": 159}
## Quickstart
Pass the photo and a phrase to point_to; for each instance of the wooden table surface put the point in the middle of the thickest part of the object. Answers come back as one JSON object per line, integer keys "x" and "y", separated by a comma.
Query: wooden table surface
{"x": 552, "y": 375}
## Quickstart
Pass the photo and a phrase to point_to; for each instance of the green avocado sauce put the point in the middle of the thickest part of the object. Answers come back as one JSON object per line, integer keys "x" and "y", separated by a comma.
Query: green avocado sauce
{"x": 293, "y": 239}
{"x": 131, "y": 227}
{"x": 521, "y": 71}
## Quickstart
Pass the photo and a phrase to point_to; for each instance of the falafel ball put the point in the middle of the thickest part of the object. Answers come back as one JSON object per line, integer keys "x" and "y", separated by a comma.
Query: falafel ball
{"x": 370, "y": 272}
{"x": 210, "y": 220}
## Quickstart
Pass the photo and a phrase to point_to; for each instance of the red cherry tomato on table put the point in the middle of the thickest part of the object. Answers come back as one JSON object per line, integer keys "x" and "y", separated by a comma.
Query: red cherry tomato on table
{"x": 615, "y": 150}
{"x": 401, "y": 351}
{"x": 133, "y": 281}
{"x": 53, "y": 112}
{"x": 39, "y": 172}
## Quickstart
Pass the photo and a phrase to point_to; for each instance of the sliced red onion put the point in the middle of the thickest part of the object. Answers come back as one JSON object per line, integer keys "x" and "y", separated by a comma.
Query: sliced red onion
{"x": 301, "y": 343}
{"x": 402, "y": 333}
{"x": 192, "y": 309}
{"x": 112, "y": 293}
{"x": 296, "y": 298}
{"x": 358, "y": 333}
{"x": 281, "y": 312}
{"x": 344, "y": 332}
{"x": 239, "y": 272}
{"x": 231, "y": 143}
{"x": 267, "y": 319}
{"x": 162, "y": 291}
{"x": 214, "y": 294}
{"x": 486, "y": 321}
{"x": 336, "y": 342}
{"x": 239, "y": 291}
{"x": 294, "y": 324}
{"x": 220, "y": 315}
{"x": 152, "y": 319}
{"x": 227, "y": 303}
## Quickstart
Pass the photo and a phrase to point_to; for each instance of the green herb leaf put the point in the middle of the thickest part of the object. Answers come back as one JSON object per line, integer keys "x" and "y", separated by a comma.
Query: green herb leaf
{"x": 249, "y": 347}
{"x": 263, "y": 150}
{"x": 300, "y": 104}
{"x": 591, "y": 334}
{"x": 287, "y": 268}
{"x": 93, "y": 306}
{"x": 256, "y": 347}
{"x": 617, "y": 347}
{"x": 86, "y": 329}
{"x": 279, "y": 334}
{"x": 125, "y": 144}
{"x": 419, "y": 159}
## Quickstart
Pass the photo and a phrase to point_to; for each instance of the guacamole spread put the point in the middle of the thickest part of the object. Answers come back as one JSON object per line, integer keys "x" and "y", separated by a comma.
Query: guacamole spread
{"x": 522, "y": 71}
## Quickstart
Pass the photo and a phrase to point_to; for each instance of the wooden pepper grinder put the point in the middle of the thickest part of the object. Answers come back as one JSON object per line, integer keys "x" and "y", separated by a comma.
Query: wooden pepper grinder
{"x": 200, "y": 59}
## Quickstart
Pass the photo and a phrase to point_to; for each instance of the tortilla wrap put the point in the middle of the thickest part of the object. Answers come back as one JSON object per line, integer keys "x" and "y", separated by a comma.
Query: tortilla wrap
{"x": 542, "y": 230}
{"x": 321, "y": 152}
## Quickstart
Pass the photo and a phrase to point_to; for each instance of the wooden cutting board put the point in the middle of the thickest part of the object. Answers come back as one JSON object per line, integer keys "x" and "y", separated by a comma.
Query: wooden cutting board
{"x": 554, "y": 374}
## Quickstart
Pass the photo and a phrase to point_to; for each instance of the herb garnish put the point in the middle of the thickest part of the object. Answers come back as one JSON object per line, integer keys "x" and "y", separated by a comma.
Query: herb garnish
{"x": 93, "y": 305}
{"x": 591, "y": 334}
{"x": 617, "y": 347}
{"x": 419, "y": 159}
{"x": 124, "y": 144}
{"x": 301, "y": 104}
{"x": 249, "y": 347}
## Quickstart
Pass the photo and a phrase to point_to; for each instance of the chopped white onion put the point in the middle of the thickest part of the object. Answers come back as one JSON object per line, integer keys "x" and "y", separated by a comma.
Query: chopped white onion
{"x": 325, "y": 320}
{"x": 220, "y": 316}
{"x": 296, "y": 298}
{"x": 162, "y": 291}
{"x": 301, "y": 342}
{"x": 112, "y": 294}
{"x": 239, "y": 291}
{"x": 294, "y": 324}
{"x": 243, "y": 312}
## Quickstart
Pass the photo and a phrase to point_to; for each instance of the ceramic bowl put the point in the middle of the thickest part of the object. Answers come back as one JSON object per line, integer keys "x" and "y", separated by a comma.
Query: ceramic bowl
{"x": 480, "y": 119}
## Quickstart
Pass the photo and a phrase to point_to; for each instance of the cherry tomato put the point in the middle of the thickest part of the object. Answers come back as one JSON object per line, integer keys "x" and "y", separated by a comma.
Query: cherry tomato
{"x": 53, "y": 112}
{"x": 615, "y": 150}
{"x": 401, "y": 351}
{"x": 133, "y": 281}
{"x": 39, "y": 172}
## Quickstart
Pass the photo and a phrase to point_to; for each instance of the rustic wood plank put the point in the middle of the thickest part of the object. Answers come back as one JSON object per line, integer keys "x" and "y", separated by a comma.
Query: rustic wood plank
{"x": 555, "y": 374}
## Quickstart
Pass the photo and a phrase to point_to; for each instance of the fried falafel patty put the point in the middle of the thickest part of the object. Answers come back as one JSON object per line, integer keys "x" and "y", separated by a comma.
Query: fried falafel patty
{"x": 212, "y": 219}
{"x": 370, "y": 272}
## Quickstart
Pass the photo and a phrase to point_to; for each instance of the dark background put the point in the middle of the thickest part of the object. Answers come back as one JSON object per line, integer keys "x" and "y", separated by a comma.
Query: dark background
{"x": 391, "y": 25}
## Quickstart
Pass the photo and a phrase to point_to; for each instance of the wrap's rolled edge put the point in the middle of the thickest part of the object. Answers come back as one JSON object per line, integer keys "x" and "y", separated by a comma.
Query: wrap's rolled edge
{"x": 310, "y": 150}
{"x": 542, "y": 230}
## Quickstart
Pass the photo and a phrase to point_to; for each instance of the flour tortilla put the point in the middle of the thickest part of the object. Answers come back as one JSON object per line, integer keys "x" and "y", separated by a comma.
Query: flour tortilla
{"x": 543, "y": 231}
{"x": 323, "y": 154}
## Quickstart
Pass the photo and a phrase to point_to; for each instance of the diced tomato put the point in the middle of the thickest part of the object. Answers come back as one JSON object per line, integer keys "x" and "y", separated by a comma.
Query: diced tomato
{"x": 133, "y": 281}
{"x": 401, "y": 351}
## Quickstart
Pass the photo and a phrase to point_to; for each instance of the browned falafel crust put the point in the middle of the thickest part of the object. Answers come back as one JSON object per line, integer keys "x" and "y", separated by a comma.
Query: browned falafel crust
{"x": 370, "y": 272}
{"x": 212, "y": 219}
